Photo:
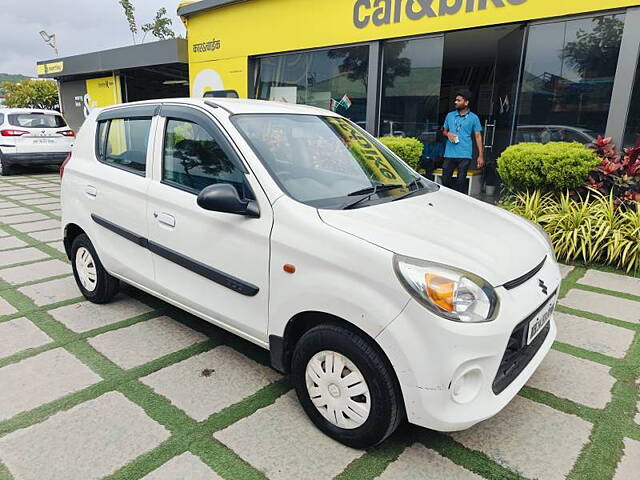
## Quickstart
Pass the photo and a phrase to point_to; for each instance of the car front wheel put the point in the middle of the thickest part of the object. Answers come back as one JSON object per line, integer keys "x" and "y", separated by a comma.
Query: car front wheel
{"x": 92, "y": 279}
{"x": 345, "y": 386}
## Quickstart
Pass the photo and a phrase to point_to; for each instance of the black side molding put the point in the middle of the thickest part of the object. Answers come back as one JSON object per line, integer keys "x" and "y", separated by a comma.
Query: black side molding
{"x": 199, "y": 268}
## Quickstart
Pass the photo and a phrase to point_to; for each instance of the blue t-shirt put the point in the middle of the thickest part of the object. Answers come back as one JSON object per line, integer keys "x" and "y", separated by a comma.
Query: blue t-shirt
{"x": 465, "y": 126}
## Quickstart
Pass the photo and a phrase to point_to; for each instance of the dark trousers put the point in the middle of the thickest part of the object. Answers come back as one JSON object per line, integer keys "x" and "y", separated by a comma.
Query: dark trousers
{"x": 451, "y": 164}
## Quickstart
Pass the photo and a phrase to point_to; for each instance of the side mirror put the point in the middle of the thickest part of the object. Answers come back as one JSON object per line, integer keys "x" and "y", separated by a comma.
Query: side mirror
{"x": 222, "y": 197}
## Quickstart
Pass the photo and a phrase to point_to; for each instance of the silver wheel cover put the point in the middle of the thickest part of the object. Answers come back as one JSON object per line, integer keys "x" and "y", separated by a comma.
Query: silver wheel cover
{"x": 86, "y": 268}
{"x": 338, "y": 389}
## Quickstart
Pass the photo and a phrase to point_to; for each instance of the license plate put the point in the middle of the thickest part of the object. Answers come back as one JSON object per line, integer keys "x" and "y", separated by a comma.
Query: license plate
{"x": 43, "y": 141}
{"x": 540, "y": 321}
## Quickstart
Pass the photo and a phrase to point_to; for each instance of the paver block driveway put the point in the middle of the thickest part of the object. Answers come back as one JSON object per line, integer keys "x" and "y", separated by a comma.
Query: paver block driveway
{"x": 138, "y": 389}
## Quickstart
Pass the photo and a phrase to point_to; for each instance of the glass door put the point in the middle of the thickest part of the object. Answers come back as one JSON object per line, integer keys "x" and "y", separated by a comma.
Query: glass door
{"x": 499, "y": 125}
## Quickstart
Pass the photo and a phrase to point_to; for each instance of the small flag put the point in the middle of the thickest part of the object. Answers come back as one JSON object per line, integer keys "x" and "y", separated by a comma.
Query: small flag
{"x": 345, "y": 101}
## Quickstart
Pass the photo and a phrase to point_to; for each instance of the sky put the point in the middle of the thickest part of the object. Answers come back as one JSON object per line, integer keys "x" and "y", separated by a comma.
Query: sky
{"x": 80, "y": 26}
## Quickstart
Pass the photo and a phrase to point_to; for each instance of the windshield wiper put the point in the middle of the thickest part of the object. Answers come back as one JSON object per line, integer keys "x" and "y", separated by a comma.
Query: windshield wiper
{"x": 369, "y": 192}
{"x": 415, "y": 182}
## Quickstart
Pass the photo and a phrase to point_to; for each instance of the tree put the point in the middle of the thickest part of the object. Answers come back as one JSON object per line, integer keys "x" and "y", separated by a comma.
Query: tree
{"x": 31, "y": 94}
{"x": 159, "y": 28}
{"x": 129, "y": 12}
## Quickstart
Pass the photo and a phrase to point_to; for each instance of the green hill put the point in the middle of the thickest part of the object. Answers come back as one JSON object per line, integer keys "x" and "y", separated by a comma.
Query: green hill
{"x": 11, "y": 77}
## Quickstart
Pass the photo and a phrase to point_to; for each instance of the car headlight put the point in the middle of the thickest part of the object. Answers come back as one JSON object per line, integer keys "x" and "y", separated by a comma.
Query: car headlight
{"x": 447, "y": 291}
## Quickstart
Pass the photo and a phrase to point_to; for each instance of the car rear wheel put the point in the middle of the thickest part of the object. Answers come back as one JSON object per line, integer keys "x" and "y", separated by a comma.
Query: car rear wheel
{"x": 345, "y": 386}
{"x": 92, "y": 279}
{"x": 5, "y": 169}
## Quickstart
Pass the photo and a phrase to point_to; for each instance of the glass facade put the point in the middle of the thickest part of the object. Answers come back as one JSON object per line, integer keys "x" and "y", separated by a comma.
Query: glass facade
{"x": 568, "y": 79}
{"x": 531, "y": 82}
{"x": 334, "y": 79}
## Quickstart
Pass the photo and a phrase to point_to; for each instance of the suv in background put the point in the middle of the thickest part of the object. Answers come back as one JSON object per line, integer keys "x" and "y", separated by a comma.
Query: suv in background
{"x": 33, "y": 137}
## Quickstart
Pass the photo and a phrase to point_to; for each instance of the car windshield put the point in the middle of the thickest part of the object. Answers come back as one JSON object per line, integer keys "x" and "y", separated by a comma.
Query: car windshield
{"x": 36, "y": 120}
{"x": 328, "y": 162}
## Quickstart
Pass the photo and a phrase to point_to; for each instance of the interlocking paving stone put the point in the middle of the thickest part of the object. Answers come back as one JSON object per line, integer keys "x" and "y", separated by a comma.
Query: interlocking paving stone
{"x": 27, "y": 217}
{"x": 612, "y": 281}
{"x": 183, "y": 467}
{"x": 607, "y": 305}
{"x": 21, "y": 255}
{"x": 48, "y": 235}
{"x": 39, "y": 201}
{"x": 420, "y": 463}
{"x": 233, "y": 377}
{"x": 89, "y": 441}
{"x": 41, "y": 379}
{"x": 565, "y": 270}
{"x": 34, "y": 271}
{"x": 11, "y": 242}
{"x": 574, "y": 378}
{"x": 85, "y": 316}
{"x": 35, "y": 226}
{"x": 27, "y": 196}
{"x": 145, "y": 341}
{"x": 57, "y": 245}
{"x": 6, "y": 308}
{"x": 50, "y": 206}
{"x": 279, "y": 440}
{"x": 530, "y": 438}
{"x": 629, "y": 466}
{"x": 20, "y": 334}
{"x": 595, "y": 336}
{"x": 52, "y": 291}
{"x": 13, "y": 211}
{"x": 4, "y": 205}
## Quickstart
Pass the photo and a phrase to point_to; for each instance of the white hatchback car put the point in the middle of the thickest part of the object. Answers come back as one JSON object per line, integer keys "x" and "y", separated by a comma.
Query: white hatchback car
{"x": 33, "y": 137}
{"x": 383, "y": 295}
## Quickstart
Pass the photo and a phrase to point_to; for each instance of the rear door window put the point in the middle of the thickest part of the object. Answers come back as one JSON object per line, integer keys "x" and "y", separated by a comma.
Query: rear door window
{"x": 125, "y": 143}
{"x": 36, "y": 120}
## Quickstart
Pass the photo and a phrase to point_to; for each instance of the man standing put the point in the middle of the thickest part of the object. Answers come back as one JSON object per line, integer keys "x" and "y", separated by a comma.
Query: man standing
{"x": 459, "y": 128}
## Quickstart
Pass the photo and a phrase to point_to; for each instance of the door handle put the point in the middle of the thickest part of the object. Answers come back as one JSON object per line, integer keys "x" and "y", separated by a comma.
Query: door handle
{"x": 165, "y": 219}
{"x": 91, "y": 191}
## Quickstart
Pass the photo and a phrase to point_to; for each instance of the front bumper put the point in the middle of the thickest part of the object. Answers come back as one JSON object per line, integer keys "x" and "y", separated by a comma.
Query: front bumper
{"x": 449, "y": 372}
{"x": 36, "y": 158}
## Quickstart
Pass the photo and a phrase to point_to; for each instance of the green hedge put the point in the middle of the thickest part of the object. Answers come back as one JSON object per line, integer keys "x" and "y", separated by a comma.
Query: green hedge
{"x": 407, "y": 148}
{"x": 554, "y": 166}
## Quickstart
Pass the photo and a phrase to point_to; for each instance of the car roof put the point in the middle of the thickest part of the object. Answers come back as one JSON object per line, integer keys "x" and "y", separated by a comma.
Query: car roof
{"x": 236, "y": 105}
{"x": 8, "y": 111}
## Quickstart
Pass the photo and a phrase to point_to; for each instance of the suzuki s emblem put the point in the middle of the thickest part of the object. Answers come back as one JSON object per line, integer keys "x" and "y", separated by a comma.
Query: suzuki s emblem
{"x": 542, "y": 286}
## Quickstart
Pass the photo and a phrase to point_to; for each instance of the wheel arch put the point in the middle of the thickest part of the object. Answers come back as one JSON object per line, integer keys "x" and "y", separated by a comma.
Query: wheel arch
{"x": 71, "y": 231}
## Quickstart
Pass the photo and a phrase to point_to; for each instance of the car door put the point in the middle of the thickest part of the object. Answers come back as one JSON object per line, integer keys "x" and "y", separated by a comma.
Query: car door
{"x": 114, "y": 189}
{"x": 214, "y": 263}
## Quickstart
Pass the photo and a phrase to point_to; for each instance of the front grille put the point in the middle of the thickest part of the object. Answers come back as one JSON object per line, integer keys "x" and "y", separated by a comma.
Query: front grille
{"x": 518, "y": 354}
{"x": 516, "y": 282}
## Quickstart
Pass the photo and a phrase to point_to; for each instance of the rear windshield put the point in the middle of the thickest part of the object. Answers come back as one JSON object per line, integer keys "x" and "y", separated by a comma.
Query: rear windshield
{"x": 36, "y": 120}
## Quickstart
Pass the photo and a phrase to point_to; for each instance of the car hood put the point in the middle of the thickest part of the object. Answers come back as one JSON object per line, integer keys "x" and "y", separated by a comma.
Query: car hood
{"x": 448, "y": 228}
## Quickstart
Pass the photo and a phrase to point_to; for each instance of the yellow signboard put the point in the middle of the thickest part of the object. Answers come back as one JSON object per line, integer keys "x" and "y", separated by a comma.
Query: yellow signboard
{"x": 258, "y": 26}
{"x": 227, "y": 74}
{"x": 103, "y": 91}
{"x": 47, "y": 68}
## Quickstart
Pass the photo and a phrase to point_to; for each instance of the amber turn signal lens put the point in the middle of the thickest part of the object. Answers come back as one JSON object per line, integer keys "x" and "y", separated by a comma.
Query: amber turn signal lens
{"x": 289, "y": 268}
{"x": 440, "y": 291}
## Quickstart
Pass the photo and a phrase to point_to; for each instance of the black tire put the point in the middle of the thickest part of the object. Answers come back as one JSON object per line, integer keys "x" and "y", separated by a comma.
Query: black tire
{"x": 5, "y": 170}
{"x": 106, "y": 286}
{"x": 386, "y": 405}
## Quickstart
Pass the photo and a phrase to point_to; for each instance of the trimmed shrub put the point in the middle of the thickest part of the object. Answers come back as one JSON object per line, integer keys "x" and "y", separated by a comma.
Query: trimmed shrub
{"x": 556, "y": 166}
{"x": 407, "y": 148}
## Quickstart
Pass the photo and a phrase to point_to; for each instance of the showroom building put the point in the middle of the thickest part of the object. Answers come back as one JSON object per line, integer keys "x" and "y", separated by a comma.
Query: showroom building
{"x": 540, "y": 70}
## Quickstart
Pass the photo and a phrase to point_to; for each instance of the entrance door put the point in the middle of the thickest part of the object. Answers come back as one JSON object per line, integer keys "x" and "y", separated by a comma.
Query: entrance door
{"x": 498, "y": 130}
{"x": 487, "y": 62}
